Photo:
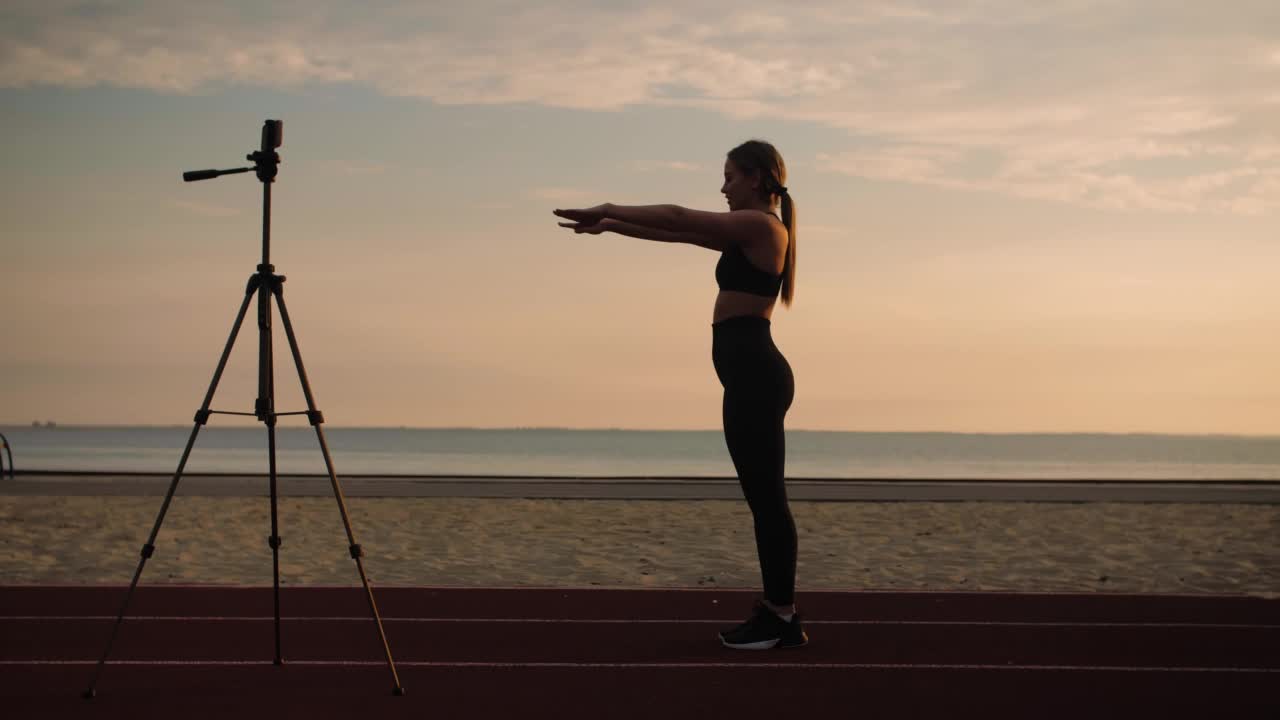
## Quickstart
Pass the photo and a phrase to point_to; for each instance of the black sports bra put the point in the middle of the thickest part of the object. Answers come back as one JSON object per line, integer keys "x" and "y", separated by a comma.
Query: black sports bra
{"x": 735, "y": 272}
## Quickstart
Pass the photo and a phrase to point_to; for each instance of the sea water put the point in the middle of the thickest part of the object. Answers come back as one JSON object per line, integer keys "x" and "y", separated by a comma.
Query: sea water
{"x": 646, "y": 453}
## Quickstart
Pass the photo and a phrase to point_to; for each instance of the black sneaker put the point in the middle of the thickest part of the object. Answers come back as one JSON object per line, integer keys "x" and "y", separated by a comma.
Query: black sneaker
{"x": 764, "y": 631}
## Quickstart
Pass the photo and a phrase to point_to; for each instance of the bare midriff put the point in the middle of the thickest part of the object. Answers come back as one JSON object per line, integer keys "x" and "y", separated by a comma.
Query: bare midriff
{"x": 731, "y": 303}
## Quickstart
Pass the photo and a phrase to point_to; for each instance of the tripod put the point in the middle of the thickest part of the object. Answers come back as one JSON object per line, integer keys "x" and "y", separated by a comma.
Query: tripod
{"x": 264, "y": 284}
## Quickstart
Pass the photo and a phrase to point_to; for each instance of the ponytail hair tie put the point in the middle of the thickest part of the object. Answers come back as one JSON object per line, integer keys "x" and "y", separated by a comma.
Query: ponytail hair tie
{"x": 782, "y": 190}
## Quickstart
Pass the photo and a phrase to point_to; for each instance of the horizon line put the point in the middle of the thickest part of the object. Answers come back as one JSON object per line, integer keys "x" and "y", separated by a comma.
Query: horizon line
{"x": 565, "y": 428}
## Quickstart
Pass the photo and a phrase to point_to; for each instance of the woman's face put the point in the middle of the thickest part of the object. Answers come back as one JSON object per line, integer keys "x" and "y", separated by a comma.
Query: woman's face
{"x": 739, "y": 189}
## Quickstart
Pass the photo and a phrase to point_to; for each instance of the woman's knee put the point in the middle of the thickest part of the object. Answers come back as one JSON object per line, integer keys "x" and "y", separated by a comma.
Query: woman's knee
{"x": 772, "y": 512}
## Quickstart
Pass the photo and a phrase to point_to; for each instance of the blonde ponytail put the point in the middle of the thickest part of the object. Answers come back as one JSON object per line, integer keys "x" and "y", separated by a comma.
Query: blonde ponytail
{"x": 789, "y": 266}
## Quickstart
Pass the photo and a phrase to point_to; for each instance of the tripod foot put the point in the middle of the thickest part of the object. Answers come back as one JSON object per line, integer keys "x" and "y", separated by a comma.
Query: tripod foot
{"x": 398, "y": 692}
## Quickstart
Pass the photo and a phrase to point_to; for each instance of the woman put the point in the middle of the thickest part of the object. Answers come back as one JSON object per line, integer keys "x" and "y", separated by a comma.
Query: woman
{"x": 757, "y": 260}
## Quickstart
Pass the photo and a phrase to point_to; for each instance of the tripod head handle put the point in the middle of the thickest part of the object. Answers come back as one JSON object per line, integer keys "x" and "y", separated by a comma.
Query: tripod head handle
{"x": 265, "y": 160}
{"x": 193, "y": 175}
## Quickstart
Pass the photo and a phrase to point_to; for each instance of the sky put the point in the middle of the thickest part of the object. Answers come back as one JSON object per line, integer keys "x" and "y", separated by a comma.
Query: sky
{"x": 1012, "y": 216}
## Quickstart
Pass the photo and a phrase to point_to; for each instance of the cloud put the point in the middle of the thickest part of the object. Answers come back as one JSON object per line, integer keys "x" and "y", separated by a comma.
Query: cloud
{"x": 1137, "y": 104}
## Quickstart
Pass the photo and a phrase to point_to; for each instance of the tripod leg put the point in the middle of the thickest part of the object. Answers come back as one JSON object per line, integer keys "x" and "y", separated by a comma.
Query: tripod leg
{"x": 274, "y": 540}
{"x": 317, "y": 419}
{"x": 265, "y": 409}
{"x": 202, "y": 417}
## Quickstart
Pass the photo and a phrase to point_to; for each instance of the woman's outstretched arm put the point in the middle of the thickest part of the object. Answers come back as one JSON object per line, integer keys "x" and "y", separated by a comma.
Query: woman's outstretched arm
{"x": 740, "y": 227}
{"x": 663, "y": 217}
{"x": 645, "y": 233}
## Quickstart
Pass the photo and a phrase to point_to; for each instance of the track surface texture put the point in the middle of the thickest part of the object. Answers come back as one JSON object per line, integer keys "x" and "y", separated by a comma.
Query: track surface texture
{"x": 209, "y": 651}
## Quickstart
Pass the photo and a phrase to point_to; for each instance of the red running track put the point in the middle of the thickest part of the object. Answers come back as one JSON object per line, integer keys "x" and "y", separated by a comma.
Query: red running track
{"x": 195, "y": 651}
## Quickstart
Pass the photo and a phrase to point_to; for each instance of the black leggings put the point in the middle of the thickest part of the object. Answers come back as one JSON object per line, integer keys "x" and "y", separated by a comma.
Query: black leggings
{"x": 758, "y": 390}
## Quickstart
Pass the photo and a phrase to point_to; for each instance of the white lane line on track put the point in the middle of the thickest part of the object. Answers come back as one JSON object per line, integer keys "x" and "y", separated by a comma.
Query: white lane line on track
{"x": 640, "y": 665}
{"x": 590, "y": 621}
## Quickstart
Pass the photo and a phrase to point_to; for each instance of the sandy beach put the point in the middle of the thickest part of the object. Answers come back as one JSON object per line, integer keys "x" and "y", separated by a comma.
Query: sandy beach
{"x": 1018, "y": 546}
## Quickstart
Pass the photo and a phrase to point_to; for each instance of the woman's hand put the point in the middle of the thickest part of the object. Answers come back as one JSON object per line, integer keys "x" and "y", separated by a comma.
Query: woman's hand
{"x": 584, "y": 216}
{"x": 590, "y": 228}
